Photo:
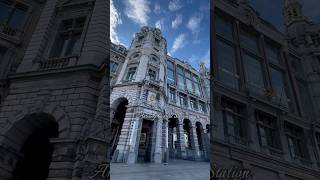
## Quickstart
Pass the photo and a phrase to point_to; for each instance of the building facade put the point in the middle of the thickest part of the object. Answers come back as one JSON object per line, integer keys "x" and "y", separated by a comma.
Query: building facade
{"x": 266, "y": 93}
{"x": 54, "y": 103}
{"x": 159, "y": 104}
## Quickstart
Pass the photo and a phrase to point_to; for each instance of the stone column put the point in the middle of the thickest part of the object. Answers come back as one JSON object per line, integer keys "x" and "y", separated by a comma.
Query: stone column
{"x": 133, "y": 141}
{"x": 166, "y": 144}
{"x": 194, "y": 142}
{"x": 157, "y": 154}
{"x": 181, "y": 143}
{"x": 205, "y": 144}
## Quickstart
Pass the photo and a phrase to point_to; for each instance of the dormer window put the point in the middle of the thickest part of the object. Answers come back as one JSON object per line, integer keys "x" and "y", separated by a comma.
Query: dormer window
{"x": 140, "y": 39}
{"x": 295, "y": 14}
{"x": 67, "y": 42}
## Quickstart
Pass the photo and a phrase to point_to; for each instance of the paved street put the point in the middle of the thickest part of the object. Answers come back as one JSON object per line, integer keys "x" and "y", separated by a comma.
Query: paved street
{"x": 175, "y": 170}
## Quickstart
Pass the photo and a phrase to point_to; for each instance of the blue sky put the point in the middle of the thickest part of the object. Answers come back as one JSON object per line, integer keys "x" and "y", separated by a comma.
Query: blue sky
{"x": 271, "y": 10}
{"x": 184, "y": 23}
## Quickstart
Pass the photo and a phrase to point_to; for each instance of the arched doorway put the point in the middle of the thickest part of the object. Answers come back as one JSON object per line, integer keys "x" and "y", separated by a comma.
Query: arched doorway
{"x": 173, "y": 137}
{"x": 201, "y": 143}
{"x": 116, "y": 125}
{"x": 36, "y": 149}
{"x": 187, "y": 138}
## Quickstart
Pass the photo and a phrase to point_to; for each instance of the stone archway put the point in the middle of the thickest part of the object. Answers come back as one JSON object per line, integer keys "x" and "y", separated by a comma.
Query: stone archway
{"x": 36, "y": 151}
{"x": 119, "y": 107}
{"x": 26, "y": 142}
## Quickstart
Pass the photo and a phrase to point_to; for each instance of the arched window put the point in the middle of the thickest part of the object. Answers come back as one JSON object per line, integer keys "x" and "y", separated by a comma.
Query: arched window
{"x": 135, "y": 55}
{"x": 154, "y": 58}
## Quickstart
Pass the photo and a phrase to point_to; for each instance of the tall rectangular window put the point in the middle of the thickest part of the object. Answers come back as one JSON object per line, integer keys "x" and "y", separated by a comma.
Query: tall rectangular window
{"x": 183, "y": 100}
{"x": 67, "y": 42}
{"x": 305, "y": 97}
{"x": 170, "y": 73}
{"x": 224, "y": 28}
{"x": 227, "y": 66}
{"x": 278, "y": 85}
{"x": 272, "y": 53}
{"x": 193, "y": 103}
{"x": 234, "y": 122}
{"x": 13, "y": 15}
{"x": 152, "y": 74}
{"x": 267, "y": 130}
{"x": 254, "y": 74}
{"x": 113, "y": 66}
{"x": 296, "y": 143}
{"x": 172, "y": 94}
{"x": 203, "y": 107}
{"x": 189, "y": 85}
{"x": 249, "y": 41}
{"x": 131, "y": 73}
{"x": 180, "y": 82}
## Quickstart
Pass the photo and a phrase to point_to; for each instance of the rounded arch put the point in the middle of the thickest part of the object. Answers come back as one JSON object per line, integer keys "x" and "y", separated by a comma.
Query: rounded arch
{"x": 54, "y": 111}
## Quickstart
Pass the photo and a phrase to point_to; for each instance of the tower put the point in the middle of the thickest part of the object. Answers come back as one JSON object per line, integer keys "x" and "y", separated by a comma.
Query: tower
{"x": 141, "y": 86}
{"x": 295, "y": 21}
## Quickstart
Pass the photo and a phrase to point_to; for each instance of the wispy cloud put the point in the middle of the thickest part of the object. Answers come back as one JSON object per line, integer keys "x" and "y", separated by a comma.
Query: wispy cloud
{"x": 194, "y": 25}
{"x": 115, "y": 20}
{"x": 175, "y": 5}
{"x": 177, "y": 21}
{"x": 206, "y": 59}
{"x": 138, "y": 11}
{"x": 179, "y": 43}
{"x": 160, "y": 24}
{"x": 157, "y": 8}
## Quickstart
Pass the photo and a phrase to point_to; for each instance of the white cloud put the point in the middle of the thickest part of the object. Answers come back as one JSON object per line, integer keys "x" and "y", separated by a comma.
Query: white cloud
{"x": 194, "y": 23}
{"x": 160, "y": 24}
{"x": 157, "y": 8}
{"x": 137, "y": 11}
{"x": 174, "y": 5}
{"x": 206, "y": 59}
{"x": 194, "y": 26}
{"x": 177, "y": 21}
{"x": 115, "y": 20}
{"x": 179, "y": 43}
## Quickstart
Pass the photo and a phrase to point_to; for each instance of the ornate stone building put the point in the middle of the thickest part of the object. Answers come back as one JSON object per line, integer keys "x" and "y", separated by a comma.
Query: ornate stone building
{"x": 266, "y": 92}
{"x": 53, "y": 87}
{"x": 159, "y": 104}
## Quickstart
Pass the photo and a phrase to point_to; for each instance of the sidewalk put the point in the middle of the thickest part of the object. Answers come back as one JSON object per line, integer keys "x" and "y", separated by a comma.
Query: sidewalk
{"x": 175, "y": 170}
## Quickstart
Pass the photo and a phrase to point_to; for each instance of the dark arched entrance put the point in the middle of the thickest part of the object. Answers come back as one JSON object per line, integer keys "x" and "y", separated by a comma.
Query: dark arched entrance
{"x": 116, "y": 125}
{"x": 36, "y": 150}
{"x": 173, "y": 137}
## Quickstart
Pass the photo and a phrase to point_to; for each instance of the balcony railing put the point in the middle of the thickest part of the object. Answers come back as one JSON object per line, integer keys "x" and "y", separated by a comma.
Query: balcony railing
{"x": 56, "y": 63}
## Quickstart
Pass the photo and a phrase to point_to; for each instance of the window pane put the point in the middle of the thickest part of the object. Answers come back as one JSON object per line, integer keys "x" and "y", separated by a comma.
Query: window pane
{"x": 179, "y": 70}
{"x": 73, "y": 46}
{"x": 5, "y": 9}
{"x": 170, "y": 65}
{"x": 224, "y": 28}
{"x": 18, "y": 17}
{"x": 170, "y": 76}
{"x": 180, "y": 82}
{"x": 227, "y": 69}
{"x": 113, "y": 66}
{"x": 272, "y": 54}
{"x": 249, "y": 41}
{"x": 254, "y": 74}
{"x": 189, "y": 85}
{"x": 278, "y": 86}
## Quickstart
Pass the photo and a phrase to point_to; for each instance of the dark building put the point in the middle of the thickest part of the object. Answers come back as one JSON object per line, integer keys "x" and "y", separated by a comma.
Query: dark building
{"x": 266, "y": 92}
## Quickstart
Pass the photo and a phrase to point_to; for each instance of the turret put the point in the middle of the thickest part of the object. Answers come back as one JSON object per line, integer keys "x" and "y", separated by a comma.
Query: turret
{"x": 146, "y": 58}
